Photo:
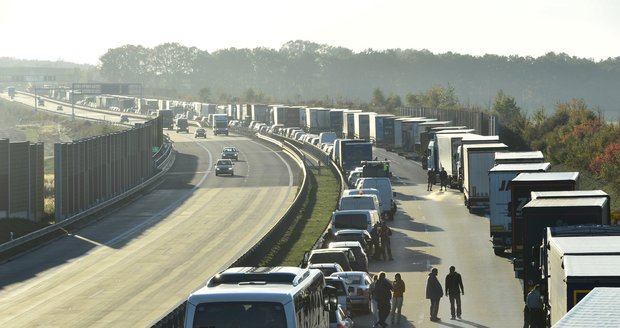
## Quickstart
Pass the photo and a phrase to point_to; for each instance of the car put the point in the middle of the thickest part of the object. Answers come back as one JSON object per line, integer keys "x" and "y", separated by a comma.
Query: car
{"x": 358, "y": 285}
{"x": 224, "y": 166}
{"x": 230, "y": 153}
{"x": 339, "y": 319}
{"x": 354, "y": 176}
{"x": 341, "y": 292}
{"x": 357, "y": 248}
{"x": 342, "y": 256}
{"x": 124, "y": 119}
{"x": 362, "y": 236}
{"x": 59, "y": 107}
{"x": 327, "y": 268}
{"x": 200, "y": 133}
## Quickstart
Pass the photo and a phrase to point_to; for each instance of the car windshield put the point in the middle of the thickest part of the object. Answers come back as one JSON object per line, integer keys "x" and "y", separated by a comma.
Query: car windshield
{"x": 226, "y": 162}
{"x": 339, "y": 285}
{"x": 357, "y": 203}
{"x": 350, "y": 221}
{"x": 229, "y": 150}
{"x": 240, "y": 314}
{"x": 352, "y": 280}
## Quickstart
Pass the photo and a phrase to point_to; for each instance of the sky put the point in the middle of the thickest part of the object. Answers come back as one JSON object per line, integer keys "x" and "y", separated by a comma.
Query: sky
{"x": 82, "y": 31}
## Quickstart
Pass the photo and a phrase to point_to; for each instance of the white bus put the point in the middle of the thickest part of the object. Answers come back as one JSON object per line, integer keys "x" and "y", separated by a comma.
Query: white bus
{"x": 252, "y": 297}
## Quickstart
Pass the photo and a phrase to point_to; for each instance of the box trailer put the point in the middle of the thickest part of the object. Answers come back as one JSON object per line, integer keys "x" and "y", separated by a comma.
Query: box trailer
{"x": 442, "y": 151}
{"x": 361, "y": 125}
{"x": 348, "y": 123}
{"x": 511, "y": 157}
{"x": 469, "y": 139}
{"x": 478, "y": 159}
{"x": 587, "y": 314}
{"x": 521, "y": 188}
{"x": 377, "y": 134}
{"x": 500, "y": 220}
{"x": 335, "y": 121}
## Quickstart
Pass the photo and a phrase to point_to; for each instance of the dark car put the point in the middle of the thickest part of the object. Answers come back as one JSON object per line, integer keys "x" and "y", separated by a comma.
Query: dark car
{"x": 224, "y": 166}
{"x": 200, "y": 133}
{"x": 361, "y": 257}
{"x": 342, "y": 256}
{"x": 362, "y": 236}
{"x": 230, "y": 153}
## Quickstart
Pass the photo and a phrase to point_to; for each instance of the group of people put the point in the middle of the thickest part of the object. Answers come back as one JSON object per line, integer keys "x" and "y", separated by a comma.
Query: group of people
{"x": 432, "y": 177}
{"x": 387, "y": 297}
{"x": 381, "y": 245}
{"x": 454, "y": 290}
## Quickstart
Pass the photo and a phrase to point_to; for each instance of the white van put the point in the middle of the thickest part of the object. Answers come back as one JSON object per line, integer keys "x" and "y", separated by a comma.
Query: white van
{"x": 354, "y": 219}
{"x": 386, "y": 195}
{"x": 359, "y": 202}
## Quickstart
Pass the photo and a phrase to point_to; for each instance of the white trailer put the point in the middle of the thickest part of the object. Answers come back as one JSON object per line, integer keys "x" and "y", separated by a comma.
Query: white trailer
{"x": 500, "y": 227}
{"x": 442, "y": 152}
{"x": 576, "y": 265}
{"x": 361, "y": 125}
{"x": 593, "y": 311}
{"x": 323, "y": 119}
{"x": 467, "y": 140}
{"x": 376, "y": 128}
{"x": 348, "y": 122}
{"x": 513, "y": 157}
{"x": 478, "y": 159}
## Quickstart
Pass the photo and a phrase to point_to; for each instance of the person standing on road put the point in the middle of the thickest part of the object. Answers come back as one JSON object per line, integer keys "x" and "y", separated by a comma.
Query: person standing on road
{"x": 373, "y": 300}
{"x": 431, "y": 179}
{"x": 434, "y": 292}
{"x": 398, "y": 287}
{"x": 383, "y": 289}
{"x": 376, "y": 241}
{"x": 454, "y": 289}
{"x": 386, "y": 248}
{"x": 443, "y": 177}
{"x": 533, "y": 312}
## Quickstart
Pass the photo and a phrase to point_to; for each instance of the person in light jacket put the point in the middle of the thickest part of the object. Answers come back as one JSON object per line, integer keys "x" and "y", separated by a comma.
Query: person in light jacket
{"x": 434, "y": 292}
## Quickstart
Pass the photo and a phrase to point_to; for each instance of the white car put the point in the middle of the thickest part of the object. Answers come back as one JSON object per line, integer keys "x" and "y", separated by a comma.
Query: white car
{"x": 358, "y": 283}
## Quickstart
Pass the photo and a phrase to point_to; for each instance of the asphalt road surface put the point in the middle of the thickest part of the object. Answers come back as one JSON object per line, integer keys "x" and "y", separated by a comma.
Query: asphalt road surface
{"x": 132, "y": 267}
{"x": 434, "y": 229}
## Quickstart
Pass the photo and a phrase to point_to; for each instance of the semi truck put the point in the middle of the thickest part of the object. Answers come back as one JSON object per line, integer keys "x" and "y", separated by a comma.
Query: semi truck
{"x": 11, "y": 92}
{"x": 361, "y": 125}
{"x": 500, "y": 221}
{"x": 442, "y": 152}
{"x": 575, "y": 261}
{"x": 587, "y": 313}
{"x": 167, "y": 118}
{"x": 521, "y": 188}
{"x": 352, "y": 153}
{"x": 376, "y": 169}
{"x": 335, "y": 121}
{"x": 376, "y": 134}
{"x": 513, "y": 157}
{"x": 471, "y": 138}
{"x": 348, "y": 123}
{"x": 182, "y": 124}
{"x": 478, "y": 159}
{"x": 220, "y": 124}
{"x": 541, "y": 213}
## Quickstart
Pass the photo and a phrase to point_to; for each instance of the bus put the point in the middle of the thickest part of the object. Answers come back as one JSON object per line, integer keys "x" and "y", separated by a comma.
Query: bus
{"x": 262, "y": 297}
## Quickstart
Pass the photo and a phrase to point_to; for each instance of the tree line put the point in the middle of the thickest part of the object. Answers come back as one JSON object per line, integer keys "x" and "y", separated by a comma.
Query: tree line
{"x": 302, "y": 71}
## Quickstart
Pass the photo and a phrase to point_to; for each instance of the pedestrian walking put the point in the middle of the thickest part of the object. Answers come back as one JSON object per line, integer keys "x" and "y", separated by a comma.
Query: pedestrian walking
{"x": 431, "y": 179}
{"x": 534, "y": 316}
{"x": 443, "y": 177}
{"x": 373, "y": 300}
{"x": 434, "y": 292}
{"x": 383, "y": 289}
{"x": 398, "y": 289}
{"x": 454, "y": 289}
{"x": 385, "y": 234}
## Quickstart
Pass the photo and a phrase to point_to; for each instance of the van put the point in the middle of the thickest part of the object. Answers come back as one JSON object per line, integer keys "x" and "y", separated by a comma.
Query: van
{"x": 358, "y": 250}
{"x": 386, "y": 194}
{"x": 359, "y": 202}
{"x": 354, "y": 219}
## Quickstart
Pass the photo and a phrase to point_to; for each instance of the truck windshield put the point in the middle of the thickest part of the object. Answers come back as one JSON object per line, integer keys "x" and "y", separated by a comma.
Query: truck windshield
{"x": 240, "y": 314}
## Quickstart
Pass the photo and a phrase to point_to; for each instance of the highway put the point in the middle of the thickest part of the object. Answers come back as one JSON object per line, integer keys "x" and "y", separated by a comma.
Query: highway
{"x": 434, "y": 229}
{"x": 140, "y": 261}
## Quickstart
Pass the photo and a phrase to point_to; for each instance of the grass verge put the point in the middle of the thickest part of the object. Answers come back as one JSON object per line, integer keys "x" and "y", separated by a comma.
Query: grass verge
{"x": 309, "y": 223}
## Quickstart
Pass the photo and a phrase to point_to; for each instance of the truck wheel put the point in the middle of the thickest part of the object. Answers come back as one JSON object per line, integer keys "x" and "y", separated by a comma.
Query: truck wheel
{"x": 498, "y": 251}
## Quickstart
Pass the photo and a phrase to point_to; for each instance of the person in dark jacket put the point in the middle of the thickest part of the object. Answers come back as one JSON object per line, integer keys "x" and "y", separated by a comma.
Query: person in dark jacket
{"x": 383, "y": 292}
{"x": 431, "y": 179}
{"x": 434, "y": 292}
{"x": 377, "y": 251}
{"x": 443, "y": 177}
{"x": 385, "y": 234}
{"x": 454, "y": 289}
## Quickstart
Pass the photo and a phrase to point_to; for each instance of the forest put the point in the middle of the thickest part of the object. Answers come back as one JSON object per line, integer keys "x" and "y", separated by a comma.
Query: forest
{"x": 303, "y": 72}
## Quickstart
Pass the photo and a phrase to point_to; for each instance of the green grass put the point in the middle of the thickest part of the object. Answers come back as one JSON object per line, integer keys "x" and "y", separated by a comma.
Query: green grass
{"x": 309, "y": 223}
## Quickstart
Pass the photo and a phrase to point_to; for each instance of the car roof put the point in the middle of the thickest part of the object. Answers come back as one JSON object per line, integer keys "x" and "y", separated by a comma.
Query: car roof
{"x": 351, "y": 232}
{"x": 344, "y": 244}
{"x": 329, "y": 250}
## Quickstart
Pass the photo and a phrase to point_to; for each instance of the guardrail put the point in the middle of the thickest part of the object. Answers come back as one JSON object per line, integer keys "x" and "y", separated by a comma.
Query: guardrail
{"x": 176, "y": 317}
{"x": 13, "y": 247}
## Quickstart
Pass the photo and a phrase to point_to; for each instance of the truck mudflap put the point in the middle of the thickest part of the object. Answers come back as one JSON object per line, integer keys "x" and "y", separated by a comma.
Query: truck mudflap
{"x": 501, "y": 241}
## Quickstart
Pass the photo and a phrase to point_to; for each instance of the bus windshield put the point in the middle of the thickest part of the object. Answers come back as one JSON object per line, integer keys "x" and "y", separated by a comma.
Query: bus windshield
{"x": 240, "y": 314}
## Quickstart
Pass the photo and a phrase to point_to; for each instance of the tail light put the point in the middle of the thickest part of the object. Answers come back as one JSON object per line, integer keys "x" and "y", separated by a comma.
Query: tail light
{"x": 340, "y": 325}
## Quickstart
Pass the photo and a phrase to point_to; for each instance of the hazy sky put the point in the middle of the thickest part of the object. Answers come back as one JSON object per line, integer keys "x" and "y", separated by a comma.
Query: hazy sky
{"x": 82, "y": 31}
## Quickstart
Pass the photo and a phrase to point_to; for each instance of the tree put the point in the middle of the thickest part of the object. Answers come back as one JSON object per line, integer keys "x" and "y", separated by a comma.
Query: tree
{"x": 378, "y": 99}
